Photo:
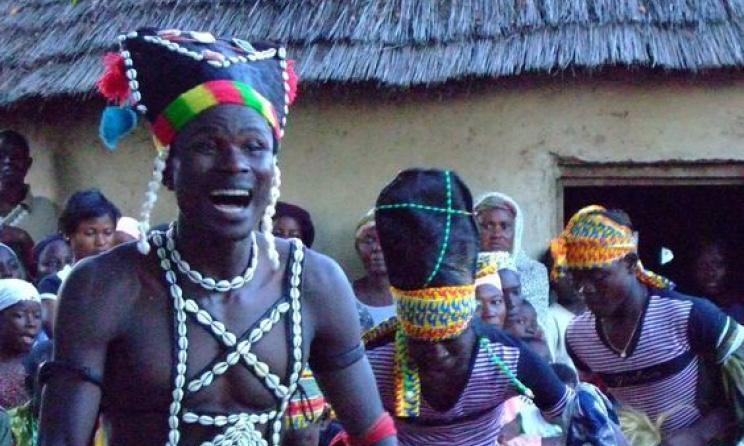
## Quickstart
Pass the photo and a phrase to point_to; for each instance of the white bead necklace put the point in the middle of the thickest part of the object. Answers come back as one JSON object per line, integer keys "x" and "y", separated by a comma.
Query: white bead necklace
{"x": 208, "y": 282}
{"x": 15, "y": 216}
{"x": 240, "y": 429}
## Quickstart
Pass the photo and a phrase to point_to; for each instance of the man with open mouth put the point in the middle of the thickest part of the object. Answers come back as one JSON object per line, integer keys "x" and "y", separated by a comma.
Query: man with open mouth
{"x": 204, "y": 338}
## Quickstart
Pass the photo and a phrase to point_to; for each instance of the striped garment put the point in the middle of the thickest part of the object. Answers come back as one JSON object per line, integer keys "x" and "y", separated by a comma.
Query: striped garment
{"x": 475, "y": 419}
{"x": 661, "y": 371}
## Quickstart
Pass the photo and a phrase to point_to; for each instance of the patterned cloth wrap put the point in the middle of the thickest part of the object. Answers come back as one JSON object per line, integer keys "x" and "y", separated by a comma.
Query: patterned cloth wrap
{"x": 493, "y": 262}
{"x": 307, "y": 406}
{"x": 590, "y": 419}
{"x": 428, "y": 235}
{"x": 593, "y": 239}
{"x": 487, "y": 272}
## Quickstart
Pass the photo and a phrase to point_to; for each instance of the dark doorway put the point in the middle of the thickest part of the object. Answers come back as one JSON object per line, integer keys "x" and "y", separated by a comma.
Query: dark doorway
{"x": 670, "y": 216}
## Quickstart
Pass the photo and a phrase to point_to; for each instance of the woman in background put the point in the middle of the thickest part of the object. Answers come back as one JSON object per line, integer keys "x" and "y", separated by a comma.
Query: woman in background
{"x": 20, "y": 322}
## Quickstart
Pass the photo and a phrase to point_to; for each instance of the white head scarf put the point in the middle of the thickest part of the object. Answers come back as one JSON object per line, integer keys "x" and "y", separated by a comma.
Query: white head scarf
{"x": 505, "y": 260}
{"x": 490, "y": 279}
{"x": 13, "y": 291}
{"x": 365, "y": 222}
{"x": 129, "y": 225}
{"x": 497, "y": 200}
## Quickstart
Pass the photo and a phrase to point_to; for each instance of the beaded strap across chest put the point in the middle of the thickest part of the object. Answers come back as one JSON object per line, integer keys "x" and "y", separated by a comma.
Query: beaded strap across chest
{"x": 238, "y": 429}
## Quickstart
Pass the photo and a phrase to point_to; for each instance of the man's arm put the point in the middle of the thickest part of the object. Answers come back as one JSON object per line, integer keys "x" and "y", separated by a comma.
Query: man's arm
{"x": 348, "y": 384}
{"x": 703, "y": 431}
{"x": 716, "y": 338}
{"x": 86, "y": 321}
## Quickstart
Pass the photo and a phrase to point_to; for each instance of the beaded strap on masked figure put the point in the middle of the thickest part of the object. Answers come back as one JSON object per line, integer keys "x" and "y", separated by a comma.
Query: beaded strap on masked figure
{"x": 593, "y": 239}
{"x": 171, "y": 76}
{"x": 429, "y": 238}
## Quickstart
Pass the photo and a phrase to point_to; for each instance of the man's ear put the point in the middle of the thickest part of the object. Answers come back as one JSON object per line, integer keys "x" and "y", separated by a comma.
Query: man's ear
{"x": 632, "y": 263}
{"x": 27, "y": 167}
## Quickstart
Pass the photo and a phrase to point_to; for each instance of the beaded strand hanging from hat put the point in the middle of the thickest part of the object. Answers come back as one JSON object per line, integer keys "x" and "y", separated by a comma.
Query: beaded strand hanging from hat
{"x": 210, "y": 71}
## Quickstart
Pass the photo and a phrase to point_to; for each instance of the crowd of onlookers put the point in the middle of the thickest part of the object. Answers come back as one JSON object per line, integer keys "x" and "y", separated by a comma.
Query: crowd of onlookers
{"x": 38, "y": 250}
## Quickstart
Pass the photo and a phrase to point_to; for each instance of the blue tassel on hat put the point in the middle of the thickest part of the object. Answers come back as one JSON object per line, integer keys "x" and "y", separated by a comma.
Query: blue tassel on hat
{"x": 116, "y": 122}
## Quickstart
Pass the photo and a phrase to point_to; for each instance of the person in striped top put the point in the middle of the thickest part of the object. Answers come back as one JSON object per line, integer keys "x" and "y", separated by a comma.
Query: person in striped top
{"x": 442, "y": 373}
{"x": 658, "y": 353}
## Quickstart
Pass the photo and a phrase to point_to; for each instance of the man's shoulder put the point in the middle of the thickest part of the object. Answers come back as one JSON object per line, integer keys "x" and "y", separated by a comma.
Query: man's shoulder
{"x": 321, "y": 271}
{"x": 674, "y": 305}
{"x": 119, "y": 272}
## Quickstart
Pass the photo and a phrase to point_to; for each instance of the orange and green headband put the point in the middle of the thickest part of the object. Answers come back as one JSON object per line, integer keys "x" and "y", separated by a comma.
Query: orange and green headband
{"x": 592, "y": 239}
{"x": 435, "y": 314}
{"x": 189, "y": 104}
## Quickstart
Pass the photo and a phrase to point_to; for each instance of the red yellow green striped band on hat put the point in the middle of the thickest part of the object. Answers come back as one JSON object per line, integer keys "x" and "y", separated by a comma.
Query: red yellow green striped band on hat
{"x": 189, "y": 104}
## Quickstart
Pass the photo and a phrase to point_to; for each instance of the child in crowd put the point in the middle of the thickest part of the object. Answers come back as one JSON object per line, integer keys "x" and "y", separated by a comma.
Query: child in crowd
{"x": 525, "y": 325}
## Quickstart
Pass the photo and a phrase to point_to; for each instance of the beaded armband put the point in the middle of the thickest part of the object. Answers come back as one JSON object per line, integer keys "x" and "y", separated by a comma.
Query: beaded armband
{"x": 340, "y": 361}
{"x": 53, "y": 369}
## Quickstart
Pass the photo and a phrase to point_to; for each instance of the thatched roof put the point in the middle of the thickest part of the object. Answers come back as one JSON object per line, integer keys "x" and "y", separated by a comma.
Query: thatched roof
{"x": 51, "y": 48}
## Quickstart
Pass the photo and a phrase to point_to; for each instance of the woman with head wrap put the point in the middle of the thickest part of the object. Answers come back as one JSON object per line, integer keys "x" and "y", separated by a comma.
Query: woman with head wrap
{"x": 373, "y": 289}
{"x": 501, "y": 226}
{"x": 20, "y": 321}
{"x": 291, "y": 221}
{"x": 497, "y": 271}
{"x": 490, "y": 298}
{"x": 662, "y": 354}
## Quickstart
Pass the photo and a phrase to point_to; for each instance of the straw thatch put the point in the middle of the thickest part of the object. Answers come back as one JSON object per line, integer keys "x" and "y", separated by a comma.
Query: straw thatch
{"x": 52, "y": 48}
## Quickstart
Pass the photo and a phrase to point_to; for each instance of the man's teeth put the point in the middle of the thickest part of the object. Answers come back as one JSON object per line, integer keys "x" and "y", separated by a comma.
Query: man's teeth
{"x": 231, "y": 193}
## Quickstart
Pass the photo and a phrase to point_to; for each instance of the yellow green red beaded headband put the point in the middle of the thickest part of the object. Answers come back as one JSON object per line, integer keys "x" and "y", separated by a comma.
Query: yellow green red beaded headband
{"x": 190, "y": 103}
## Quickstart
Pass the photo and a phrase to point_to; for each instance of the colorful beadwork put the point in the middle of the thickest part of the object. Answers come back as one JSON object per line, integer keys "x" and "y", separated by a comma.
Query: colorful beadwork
{"x": 435, "y": 314}
{"x": 307, "y": 404}
{"x": 407, "y": 382}
{"x": 591, "y": 240}
{"x": 524, "y": 390}
{"x": 189, "y": 104}
{"x": 379, "y": 331}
